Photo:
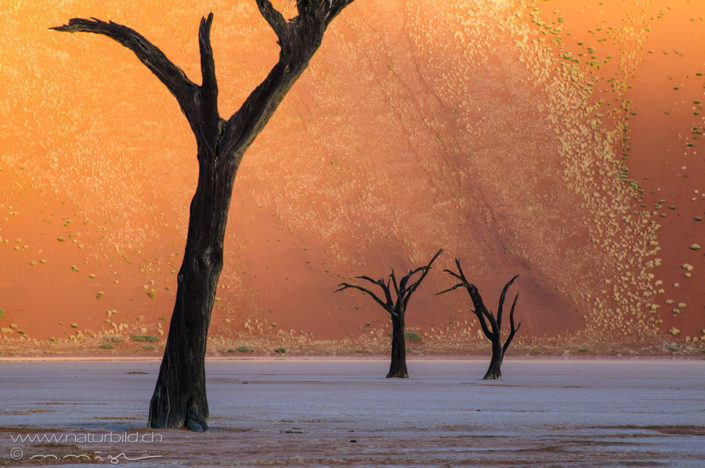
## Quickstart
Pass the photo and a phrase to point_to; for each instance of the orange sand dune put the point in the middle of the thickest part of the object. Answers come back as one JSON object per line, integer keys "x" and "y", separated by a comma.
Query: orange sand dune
{"x": 560, "y": 140}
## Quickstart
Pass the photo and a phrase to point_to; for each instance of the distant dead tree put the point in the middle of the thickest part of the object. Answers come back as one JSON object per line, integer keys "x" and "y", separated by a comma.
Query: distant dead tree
{"x": 493, "y": 331}
{"x": 180, "y": 394}
{"x": 396, "y": 308}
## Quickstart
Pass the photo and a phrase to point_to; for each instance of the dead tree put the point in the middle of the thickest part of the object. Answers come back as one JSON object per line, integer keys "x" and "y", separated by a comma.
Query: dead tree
{"x": 493, "y": 330}
{"x": 180, "y": 394}
{"x": 396, "y": 308}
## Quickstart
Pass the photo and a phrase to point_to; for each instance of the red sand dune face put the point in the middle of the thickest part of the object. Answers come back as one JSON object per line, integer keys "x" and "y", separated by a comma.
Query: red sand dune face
{"x": 560, "y": 141}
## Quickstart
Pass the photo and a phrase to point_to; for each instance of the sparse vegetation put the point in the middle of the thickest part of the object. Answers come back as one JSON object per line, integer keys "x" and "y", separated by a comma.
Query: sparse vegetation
{"x": 149, "y": 338}
{"x": 106, "y": 346}
{"x": 412, "y": 336}
{"x": 280, "y": 351}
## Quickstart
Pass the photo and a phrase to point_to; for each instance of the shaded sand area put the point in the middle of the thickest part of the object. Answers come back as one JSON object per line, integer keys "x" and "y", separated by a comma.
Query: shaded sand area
{"x": 307, "y": 412}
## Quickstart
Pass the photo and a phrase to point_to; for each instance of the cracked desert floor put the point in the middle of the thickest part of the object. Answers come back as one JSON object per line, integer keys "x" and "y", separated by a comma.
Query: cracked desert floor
{"x": 342, "y": 412}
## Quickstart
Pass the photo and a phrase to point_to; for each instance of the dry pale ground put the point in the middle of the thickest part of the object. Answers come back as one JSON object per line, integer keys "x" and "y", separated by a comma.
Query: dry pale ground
{"x": 335, "y": 412}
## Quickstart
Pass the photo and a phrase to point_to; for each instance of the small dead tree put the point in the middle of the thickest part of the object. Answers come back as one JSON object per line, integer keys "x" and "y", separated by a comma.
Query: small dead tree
{"x": 403, "y": 289}
{"x": 493, "y": 330}
{"x": 179, "y": 398}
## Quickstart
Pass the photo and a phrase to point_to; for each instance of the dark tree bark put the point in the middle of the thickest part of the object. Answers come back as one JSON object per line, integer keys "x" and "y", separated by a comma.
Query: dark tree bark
{"x": 396, "y": 309}
{"x": 491, "y": 325}
{"x": 179, "y": 398}
{"x": 397, "y": 366}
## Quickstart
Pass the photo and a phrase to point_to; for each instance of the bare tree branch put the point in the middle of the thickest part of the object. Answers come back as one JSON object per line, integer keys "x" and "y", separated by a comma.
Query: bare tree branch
{"x": 275, "y": 19}
{"x": 209, "y": 84}
{"x": 501, "y": 301}
{"x": 402, "y": 285}
{"x": 480, "y": 311}
{"x": 425, "y": 270}
{"x": 209, "y": 124}
{"x": 336, "y": 7}
{"x": 393, "y": 277}
{"x": 388, "y": 294}
{"x": 344, "y": 286}
{"x": 172, "y": 76}
{"x": 482, "y": 314}
{"x": 333, "y": 7}
{"x": 459, "y": 285}
{"x": 514, "y": 330}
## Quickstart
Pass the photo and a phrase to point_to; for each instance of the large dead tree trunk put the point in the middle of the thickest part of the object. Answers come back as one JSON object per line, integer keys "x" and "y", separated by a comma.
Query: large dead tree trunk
{"x": 491, "y": 325}
{"x": 180, "y": 394}
{"x": 397, "y": 366}
{"x": 396, "y": 309}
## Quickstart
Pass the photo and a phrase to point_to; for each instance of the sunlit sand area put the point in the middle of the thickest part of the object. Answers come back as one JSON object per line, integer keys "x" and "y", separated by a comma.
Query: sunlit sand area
{"x": 334, "y": 412}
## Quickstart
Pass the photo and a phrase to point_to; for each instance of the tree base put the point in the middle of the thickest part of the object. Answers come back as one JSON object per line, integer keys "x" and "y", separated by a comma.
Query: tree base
{"x": 489, "y": 376}
{"x": 494, "y": 371}
{"x": 196, "y": 423}
{"x": 193, "y": 422}
{"x": 179, "y": 400}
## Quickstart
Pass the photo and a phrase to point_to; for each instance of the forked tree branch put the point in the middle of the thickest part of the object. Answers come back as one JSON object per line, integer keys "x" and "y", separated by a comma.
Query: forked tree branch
{"x": 424, "y": 269}
{"x": 298, "y": 39}
{"x": 491, "y": 325}
{"x": 480, "y": 310}
{"x": 482, "y": 313}
{"x": 275, "y": 19}
{"x": 514, "y": 329}
{"x": 501, "y": 301}
{"x": 403, "y": 294}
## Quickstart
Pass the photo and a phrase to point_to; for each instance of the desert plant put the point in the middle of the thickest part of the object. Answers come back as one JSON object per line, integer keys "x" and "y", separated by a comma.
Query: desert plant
{"x": 149, "y": 338}
{"x": 412, "y": 336}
